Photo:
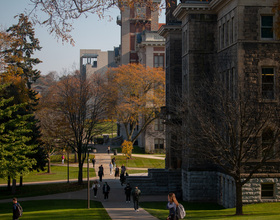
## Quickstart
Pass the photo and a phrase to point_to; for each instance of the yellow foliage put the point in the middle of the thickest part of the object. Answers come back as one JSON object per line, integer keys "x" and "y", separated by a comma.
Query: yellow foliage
{"x": 127, "y": 148}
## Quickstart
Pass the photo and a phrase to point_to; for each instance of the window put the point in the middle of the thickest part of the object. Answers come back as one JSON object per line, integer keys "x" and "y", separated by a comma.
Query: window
{"x": 268, "y": 83}
{"x": 159, "y": 143}
{"x": 267, "y": 143}
{"x": 158, "y": 61}
{"x": 232, "y": 30}
{"x": 159, "y": 124}
{"x": 94, "y": 62}
{"x": 267, "y": 190}
{"x": 140, "y": 11}
{"x": 267, "y": 27}
{"x": 223, "y": 36}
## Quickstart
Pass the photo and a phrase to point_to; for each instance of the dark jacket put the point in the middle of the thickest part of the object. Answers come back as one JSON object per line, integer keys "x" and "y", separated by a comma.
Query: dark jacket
{"x": 136, "y": 194}
{"x": 106, "y": 189}
{"x": 127, "y": 190}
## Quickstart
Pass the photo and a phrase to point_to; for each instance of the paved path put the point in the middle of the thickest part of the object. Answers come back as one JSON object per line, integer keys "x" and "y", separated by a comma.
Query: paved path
{"x": 116, "y": 206}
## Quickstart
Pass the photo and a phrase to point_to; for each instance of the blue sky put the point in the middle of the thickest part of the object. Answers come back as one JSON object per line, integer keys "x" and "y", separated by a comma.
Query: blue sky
{"x": 89, "y": 33}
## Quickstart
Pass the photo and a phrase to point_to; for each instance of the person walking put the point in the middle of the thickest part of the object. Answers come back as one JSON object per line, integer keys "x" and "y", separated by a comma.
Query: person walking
{"x": 94, "y": 187}
{"x": 117, "y": 172}
{"x": 114, "y": 162}
{"x": 111, "y": 168}
{"x": 106, "y": 190}
{"x": 123, "y": 169}
{"x": 93, "y": 162}
{"x": 17, "y": 209}
{"x": 172, "y": 206}
{"x": 127, "y": 191}
{"x": 135, "y": 196}
{"x": 108, "y": 149}
{"x": 100, "y": 173}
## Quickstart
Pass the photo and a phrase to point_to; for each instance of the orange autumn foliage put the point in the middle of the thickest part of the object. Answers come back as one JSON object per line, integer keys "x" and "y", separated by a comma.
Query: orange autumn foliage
{"x": 137, "y": 93}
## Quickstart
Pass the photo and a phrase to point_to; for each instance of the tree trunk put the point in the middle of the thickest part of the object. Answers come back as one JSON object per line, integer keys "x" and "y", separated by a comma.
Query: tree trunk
{"x": 9, "y": 182}
{"x": 80, "y": 174}
{"x": 49, "y": 165}
{"x": 239, "y": 203}
{"x": 20, "y": 180}
{"x": 14, "y": 186}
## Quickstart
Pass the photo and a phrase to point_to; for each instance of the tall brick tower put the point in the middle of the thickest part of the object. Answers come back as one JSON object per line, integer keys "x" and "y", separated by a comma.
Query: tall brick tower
{"x": 133, "y": 20}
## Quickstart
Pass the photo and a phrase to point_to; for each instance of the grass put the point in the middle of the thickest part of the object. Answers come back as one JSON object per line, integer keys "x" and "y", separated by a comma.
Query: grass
{"x": 41, "y": 189}
{"x": 261, "y": 211}
{"x": 56, "y": 209}
{"x": 57, "y": 173}
{"x": 136, "y": 150}
{"x": 139, "y": 162}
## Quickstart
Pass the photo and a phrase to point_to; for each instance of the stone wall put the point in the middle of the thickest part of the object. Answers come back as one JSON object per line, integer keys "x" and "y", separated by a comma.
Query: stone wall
{"x": 208, "y": 186}
{"x": 158, "y": 182}
{"x": 252, "y": 190}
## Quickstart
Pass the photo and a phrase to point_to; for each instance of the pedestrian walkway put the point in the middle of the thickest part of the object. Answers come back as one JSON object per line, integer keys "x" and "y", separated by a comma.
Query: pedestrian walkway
{"x": 116, "y": 206}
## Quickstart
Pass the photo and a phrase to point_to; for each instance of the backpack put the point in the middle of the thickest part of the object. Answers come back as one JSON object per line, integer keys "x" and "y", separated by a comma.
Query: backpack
{"x": 180, "y": 211}
{"x": 19, "y": 210}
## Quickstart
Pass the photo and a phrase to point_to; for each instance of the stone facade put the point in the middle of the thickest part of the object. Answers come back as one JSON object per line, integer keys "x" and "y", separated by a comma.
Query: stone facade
{"x": 228, "y": 38}
{"x": 158, "y": 181}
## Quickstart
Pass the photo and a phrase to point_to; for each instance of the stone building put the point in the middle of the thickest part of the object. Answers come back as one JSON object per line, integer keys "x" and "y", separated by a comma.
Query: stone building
{"x": 140, "y": 43}
{"x": 235, "y": 39}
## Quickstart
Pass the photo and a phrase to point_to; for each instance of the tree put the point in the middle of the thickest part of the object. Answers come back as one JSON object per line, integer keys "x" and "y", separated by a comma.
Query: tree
{"x": 136, "y": 94}
{"x": 19, "y": 72}
{"x": 47, "y": 117}
{"x": 60, "y": 14}
{"x": 127, "y": 148}
{"x": 80, "y": 103}
{"x": 15, "y": 132}
{"x": 221, "y": 127}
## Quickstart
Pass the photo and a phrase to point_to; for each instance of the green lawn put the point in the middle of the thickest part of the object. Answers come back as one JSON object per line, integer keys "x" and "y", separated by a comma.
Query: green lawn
{"x": 261, "y": 211}
{"x": 41, "y": 189}
{"x": 57, "y": 173}
{"x": 56, "y": 209}
{"x": 139, "y": 162}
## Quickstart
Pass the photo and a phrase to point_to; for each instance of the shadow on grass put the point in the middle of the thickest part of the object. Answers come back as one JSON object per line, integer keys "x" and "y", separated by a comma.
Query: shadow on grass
{"x": 41, "y": 189}
{"x": 57, "y": 209}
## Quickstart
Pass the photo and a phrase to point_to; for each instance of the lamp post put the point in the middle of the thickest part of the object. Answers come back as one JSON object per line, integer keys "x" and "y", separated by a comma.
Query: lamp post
{"x": 68, "y": 166}
{"x": 88, "y": 194}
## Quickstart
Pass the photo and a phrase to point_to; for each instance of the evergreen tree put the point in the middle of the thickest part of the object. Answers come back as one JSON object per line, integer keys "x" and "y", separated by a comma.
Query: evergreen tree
{"x": 15, "y": 132}
{"x": 21, "y": 74}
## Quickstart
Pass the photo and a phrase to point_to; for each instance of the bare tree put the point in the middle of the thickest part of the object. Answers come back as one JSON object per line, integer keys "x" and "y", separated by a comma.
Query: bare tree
{"x": 81, "y": 104}
{"x": 228, "y": 128}
{"x": 60, "y": 14}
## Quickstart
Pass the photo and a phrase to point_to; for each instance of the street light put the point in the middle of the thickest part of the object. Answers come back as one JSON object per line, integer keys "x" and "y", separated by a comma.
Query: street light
{"x": 88, "y": 195}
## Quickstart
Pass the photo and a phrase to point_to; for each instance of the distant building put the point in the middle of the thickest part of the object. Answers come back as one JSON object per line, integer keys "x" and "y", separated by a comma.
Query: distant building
{"x": 96, "y": 61}
{"x": 140, "y": 43}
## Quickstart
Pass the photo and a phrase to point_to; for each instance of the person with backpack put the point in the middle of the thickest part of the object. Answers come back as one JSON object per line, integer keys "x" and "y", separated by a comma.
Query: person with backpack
{"x": 172, "y": 206}
{"x": 94, "y": 187}
{"x": 135, "y": 196}
{"x": 176, "y": 210}
{"x": 127, "y": 191}
{"x": 17, "y": 209}
{"x": 106, "y": 190}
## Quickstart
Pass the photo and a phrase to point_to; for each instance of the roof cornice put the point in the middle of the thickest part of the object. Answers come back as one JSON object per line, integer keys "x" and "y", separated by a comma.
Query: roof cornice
{"x": 166, "y": 29}
{"x": 198, "y": 7}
